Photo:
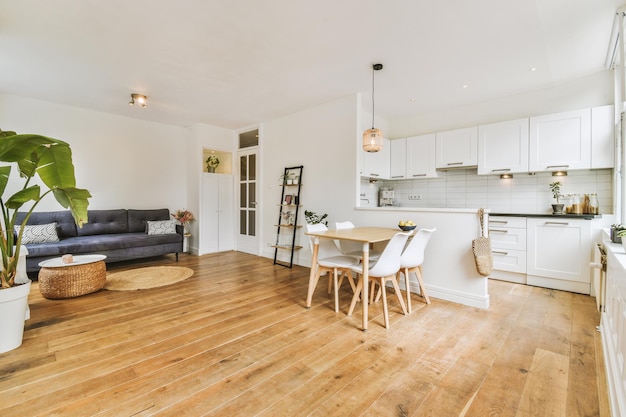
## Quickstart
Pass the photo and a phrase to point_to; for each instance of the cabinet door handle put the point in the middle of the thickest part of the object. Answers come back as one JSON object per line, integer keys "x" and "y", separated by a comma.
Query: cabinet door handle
{"x": 557, "y": 166}
{"x": 558, "y": 223}
{"x": 499, "y": 252}
{"x": 455, "y": 163}
{"x": 498, "y": 230}
{"x": 498, "y": 221}
{"x": 397, "y": 176}
{"x": 501, "y": 170}
{"x": 374, "y": 175}
{"x": 419, "y": 175}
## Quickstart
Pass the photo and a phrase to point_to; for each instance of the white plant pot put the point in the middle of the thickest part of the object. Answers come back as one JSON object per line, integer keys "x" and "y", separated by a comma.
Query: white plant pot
{"x": 13, "y": 311}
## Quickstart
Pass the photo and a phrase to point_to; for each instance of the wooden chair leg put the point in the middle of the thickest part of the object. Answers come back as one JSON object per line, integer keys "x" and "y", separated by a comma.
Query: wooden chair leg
{"x": 336, "y": 290}
{"x": 372, "y": 288}
{"x": 312, "y": 285}
{"x": 407, "y": 285}
{"x": 396, "y": 288}
{"x": 355, "y": 297}
{"x": 420, "y": 280}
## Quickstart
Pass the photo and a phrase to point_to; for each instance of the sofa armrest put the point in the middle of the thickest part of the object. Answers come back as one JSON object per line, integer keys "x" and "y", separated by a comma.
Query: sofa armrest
{"x": 180, "y": 229}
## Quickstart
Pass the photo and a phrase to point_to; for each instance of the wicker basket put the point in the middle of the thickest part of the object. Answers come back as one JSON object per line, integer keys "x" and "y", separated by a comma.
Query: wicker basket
{"x": 72, "y": 280}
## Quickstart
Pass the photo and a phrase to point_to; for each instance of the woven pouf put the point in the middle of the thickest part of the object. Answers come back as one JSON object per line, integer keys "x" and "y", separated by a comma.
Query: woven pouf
{"x": 72, "y": 280}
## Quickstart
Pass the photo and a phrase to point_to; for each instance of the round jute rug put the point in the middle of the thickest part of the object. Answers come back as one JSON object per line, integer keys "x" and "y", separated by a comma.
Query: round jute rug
{"x": 144, "y": 278}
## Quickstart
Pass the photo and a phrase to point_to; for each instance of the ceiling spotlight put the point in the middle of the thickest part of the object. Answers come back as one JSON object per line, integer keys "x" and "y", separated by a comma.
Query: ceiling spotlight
{"x": 506, "y": 176}
{"x": 139, "y": 99}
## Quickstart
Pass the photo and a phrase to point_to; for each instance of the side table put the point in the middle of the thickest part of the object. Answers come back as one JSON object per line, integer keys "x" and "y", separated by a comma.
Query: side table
{"x": 86, "y": 274}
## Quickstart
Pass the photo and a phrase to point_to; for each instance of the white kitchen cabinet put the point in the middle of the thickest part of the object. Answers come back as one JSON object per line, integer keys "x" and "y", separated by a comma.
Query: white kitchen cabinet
{"x": 376, "y": 164}
{"x": 420, "y": 156}
{"x": 457, "y": 148}
{"x": 558, "y": 254}
{"x": 602, "y": 137}
{"x": 397, "y": 170}
{"x": 508, "y": 246}
{"x": 216, "y": 220}
{"x": 503, "y": 147}
{"x": 560, "y": 141}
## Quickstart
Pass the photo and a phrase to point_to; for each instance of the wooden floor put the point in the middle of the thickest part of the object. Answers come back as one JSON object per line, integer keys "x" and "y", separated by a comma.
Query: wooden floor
{"x": 236, "y": 340}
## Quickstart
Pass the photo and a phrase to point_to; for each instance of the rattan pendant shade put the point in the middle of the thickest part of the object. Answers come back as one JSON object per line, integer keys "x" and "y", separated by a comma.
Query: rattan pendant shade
{"x": 372, "y": 140}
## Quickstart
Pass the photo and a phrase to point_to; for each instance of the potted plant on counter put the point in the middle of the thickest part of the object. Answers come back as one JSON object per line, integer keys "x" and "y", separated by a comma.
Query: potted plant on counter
{"x": 50, "y": 160}
{"x": 555, "y": 187}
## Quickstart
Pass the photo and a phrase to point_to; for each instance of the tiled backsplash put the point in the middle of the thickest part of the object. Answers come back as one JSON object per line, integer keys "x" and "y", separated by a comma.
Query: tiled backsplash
{"x": 523, "y": 193}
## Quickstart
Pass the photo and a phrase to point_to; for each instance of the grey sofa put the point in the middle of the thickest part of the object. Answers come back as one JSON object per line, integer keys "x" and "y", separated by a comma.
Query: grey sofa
{"x": 120, "y": 234}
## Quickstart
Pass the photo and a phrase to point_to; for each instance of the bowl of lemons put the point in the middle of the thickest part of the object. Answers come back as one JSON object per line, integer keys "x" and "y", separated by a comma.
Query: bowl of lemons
{"x": 407, "y": 225}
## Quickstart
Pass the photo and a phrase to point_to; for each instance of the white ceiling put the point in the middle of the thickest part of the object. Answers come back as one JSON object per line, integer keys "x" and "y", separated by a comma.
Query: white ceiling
{"x": 236, "y": 63}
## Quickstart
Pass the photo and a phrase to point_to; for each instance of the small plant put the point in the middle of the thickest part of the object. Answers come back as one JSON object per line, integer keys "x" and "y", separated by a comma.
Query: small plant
{"x": 212, "y": 161}
{"x": 314, "y": 218}
{"x": 285, "y": 178}
{"x": 555, "y": 187}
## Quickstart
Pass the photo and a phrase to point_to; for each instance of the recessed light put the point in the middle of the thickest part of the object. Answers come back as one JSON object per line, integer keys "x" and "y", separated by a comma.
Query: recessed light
{"x": 412, "y": 99}
{"x": 532, "y": 69}
{"x": 465, "y": 86}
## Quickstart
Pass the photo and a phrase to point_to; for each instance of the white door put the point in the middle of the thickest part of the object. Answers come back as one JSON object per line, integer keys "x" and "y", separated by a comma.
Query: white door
{"x": 217, "y": 213}
{"x": 248, "y": 195}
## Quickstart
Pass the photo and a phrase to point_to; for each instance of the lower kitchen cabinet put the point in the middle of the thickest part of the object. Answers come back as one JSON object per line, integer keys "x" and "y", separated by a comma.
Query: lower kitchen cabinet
{"x": 508, "y": 245}
{"x": 559, "y": 253}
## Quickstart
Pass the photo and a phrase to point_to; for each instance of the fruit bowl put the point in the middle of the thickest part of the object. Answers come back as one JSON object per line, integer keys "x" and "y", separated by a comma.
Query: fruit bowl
{"x": 407, "y": 228}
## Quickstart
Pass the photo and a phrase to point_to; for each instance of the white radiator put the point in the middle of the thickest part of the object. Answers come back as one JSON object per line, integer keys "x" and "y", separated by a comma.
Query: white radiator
{"x": 598, "y": 285}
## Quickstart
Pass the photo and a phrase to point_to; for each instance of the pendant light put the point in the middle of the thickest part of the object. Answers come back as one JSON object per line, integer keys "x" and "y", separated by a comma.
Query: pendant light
{"x": 373, "y": 138}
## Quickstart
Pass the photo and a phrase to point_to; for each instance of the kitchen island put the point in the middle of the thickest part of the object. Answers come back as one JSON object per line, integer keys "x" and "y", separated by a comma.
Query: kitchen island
{"x": 449, "y": 270}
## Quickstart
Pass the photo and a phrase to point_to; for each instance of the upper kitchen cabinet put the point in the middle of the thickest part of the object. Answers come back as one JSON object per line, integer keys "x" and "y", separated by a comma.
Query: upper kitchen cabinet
{"x": 560, "y": 141}
{"x": 397, "y": 170}
{"x": 602, "y": 137}
{"x": 503, "y": 147}
{"x": 420, "y": 156}
{"x": 457, "y": 148}
{"x": 376, "y": 164}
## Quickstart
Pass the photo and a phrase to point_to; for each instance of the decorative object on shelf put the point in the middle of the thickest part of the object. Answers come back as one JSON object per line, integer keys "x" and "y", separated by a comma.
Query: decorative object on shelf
{"x": 314, "y": 218}
{"x": 183, "y": 217}
{"x": 31, "y": 155}
{"x": 212, "y": 162}
{"x": 139, "y": 99}
{"x": 373, "y": 138}
{"x": 555, "y": 187}
{"x": 287, "y": 178}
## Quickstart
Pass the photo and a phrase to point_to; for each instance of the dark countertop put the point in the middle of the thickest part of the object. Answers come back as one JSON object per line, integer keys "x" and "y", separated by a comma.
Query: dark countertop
{"x": 560, "y": 216}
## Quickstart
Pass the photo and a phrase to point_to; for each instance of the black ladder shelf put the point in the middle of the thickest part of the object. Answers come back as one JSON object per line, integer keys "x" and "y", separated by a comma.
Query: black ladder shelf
{"x": 287, "y": 225}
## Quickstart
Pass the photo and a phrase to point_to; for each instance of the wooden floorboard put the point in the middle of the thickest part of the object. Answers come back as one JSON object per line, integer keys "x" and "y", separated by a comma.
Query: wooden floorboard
{"x": 235, "y": 339}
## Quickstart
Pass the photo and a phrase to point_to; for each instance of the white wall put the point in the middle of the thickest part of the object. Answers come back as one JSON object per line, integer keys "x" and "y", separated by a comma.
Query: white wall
{"x": 323, "y": 140}
{"x": 123, "y": 162}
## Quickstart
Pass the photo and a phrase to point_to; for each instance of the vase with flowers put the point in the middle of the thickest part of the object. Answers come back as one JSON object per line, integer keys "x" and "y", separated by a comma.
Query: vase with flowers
{"x": 183, "y": 217}
{"x": 212, "y": 162}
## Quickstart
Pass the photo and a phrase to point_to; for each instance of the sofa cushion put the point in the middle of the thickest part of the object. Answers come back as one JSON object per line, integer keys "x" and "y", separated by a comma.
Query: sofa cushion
{"x": 100, "y": 243}
{"x": 38, "y": 233}
{"x": 160, "y": 227}
{"x": 137, "y": 218}
{"x": 102, "y": 222}
{"x": 66, "y": 226}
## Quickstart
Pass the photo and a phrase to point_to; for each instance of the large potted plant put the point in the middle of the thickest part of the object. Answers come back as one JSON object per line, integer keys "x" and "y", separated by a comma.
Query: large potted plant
{"x": 51, "y": 160}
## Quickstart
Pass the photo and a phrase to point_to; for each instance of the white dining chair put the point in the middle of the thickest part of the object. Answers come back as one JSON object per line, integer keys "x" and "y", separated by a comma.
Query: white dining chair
{"x": 411, "y": 262}
{"x": 352, "y": 248}
{"x": 383, "y": 271}
{"x": 331, "y": 261}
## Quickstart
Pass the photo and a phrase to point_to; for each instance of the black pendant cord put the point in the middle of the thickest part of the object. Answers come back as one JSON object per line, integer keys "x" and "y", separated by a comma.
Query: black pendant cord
{"x": 373, "y": 72}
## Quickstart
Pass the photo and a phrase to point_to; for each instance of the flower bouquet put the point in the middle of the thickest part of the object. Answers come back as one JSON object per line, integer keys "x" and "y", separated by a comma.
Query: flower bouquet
{"x": 183, "y": 216}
